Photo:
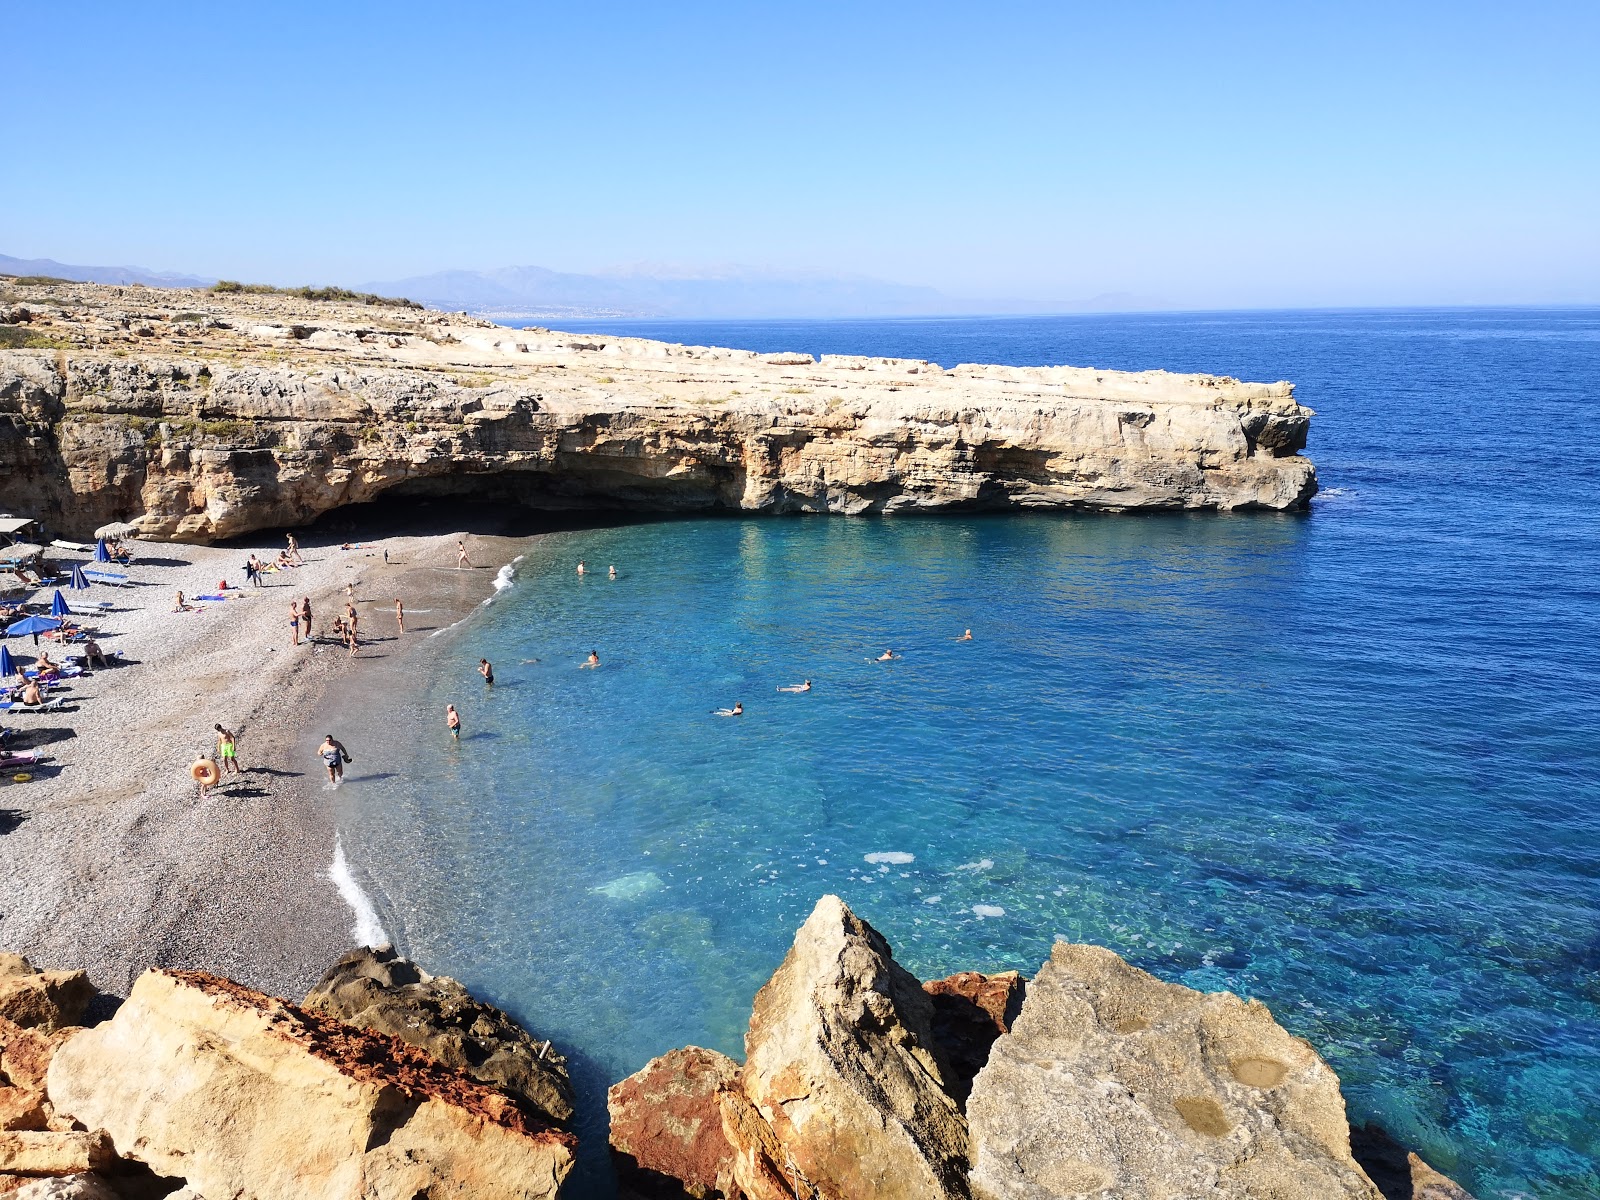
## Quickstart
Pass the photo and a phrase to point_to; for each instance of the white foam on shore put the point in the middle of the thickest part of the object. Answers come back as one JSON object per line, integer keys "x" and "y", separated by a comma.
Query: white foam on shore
{"x": 368, "y": 930}
{"x": 503, "y": 579}
{"x": 897, "y": 857}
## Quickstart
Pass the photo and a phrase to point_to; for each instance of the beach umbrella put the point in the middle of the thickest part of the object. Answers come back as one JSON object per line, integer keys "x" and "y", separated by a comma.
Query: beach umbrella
{"x": 101, "y": 554}
{"x": 58, "y": 605}
{"x": 8, "y": 665}
{"x": 33, "y": 625}
{"x": 79, "y": 579}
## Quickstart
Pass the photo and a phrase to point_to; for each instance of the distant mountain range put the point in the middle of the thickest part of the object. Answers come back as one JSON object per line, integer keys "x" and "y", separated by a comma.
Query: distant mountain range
{"x": 511, "y": 294}
{"x": 55, "y": 270}
{"x": 534, "y": 292}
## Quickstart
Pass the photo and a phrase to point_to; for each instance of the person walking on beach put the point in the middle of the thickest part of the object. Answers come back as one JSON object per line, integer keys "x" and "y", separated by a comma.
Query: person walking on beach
{"x": 486, "y": 670}
{"x": 294, "y": 619}
{"x": 452, "y": 721}
{"x": 334, "y": 756}
{"x": 228, "y": 750}
{"x": 204, "y": 772}
{"x": 461, "y": 556}
{"x": 294, "y": 551}
{"x": 400, "y": 615}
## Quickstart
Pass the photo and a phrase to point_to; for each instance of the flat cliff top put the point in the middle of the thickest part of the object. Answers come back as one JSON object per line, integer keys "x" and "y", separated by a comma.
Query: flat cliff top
{"x": 594, "y": 371}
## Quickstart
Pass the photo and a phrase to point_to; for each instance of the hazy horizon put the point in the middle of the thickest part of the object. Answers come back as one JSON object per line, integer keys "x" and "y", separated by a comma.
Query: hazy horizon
{"x": 1244, "y": 157}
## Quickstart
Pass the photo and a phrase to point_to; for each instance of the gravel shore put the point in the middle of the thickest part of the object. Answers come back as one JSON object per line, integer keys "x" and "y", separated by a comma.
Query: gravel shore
{"x": 111, "y": 860}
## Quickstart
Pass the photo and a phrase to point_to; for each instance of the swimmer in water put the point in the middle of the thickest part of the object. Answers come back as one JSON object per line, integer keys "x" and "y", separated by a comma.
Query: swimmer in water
{"x": 887, "y": 656}
{"x": 736, "y": 711}
{"x": 797, "y": 687}
{"x": 612, "y": 571}
{"x": 591, "y": 662}
{"x": 452, "y": 720}
{"x": 965, "y": 637}
{"x": 580, "y": 566}
{"x": 486, "y": 670}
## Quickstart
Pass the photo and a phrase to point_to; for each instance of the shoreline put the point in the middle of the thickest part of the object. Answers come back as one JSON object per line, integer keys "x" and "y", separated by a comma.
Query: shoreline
{"x": 114, "y": 863}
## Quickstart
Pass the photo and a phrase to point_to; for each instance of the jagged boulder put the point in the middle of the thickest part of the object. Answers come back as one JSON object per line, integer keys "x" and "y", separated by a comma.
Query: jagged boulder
{"x": 1114, "y": 1083}
{"x": 970, "y": 1010}
{"x": 841, "y": 1063}
{"x": 377, "y": 990}
{"x": 25, "y": 1056}
{"x": 42, "y": 999}
{"x": 667, "y": 1138}
{"x": 242, "y": 1094}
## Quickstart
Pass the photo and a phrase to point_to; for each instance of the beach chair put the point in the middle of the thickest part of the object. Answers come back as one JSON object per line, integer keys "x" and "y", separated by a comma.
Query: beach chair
{"x": 110, "y": 577}
{"x": 16, "y": 706}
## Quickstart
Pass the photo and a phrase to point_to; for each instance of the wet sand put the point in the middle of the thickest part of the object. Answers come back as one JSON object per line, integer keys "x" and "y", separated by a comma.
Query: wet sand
{"x": 111, "y": 860}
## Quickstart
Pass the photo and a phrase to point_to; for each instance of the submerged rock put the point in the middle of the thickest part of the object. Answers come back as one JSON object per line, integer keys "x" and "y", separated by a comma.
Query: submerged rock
{"x": 377, "y": 990}
{"x": 1113, "y": 1082}
{"x": 241, "y": 1094}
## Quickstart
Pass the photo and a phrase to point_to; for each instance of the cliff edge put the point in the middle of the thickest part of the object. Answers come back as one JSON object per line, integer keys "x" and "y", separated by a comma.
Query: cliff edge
{"x": 209, "y": 415}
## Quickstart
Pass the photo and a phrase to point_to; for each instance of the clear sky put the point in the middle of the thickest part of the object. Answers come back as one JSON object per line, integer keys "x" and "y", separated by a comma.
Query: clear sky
{"x": 1206, "y": 154}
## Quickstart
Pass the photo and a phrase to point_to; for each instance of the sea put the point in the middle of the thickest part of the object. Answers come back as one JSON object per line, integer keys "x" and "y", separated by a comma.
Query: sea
{"x": 1343, "y": 761}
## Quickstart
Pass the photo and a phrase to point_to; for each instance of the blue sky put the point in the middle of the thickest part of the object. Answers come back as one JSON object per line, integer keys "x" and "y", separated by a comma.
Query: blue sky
{"x": 1204, "y": 154}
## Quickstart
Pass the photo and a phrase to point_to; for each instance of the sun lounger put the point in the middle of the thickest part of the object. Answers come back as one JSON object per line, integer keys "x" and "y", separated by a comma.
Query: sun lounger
{"x": 80, "y": 547}
{"x": 12, "y": 706}
{"x": 111, "y": 577}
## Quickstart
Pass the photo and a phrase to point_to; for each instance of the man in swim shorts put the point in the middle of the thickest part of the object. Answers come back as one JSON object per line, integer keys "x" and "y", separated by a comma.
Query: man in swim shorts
{"x": 486, "y": 670}
{"x": 334, "y": 756}
{"x": 452, "y": 721}
{"x": 227, "y": 750}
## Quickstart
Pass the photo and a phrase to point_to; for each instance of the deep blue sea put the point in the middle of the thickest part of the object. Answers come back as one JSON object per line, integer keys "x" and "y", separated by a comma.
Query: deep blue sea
{"x": 1342, "y": 761}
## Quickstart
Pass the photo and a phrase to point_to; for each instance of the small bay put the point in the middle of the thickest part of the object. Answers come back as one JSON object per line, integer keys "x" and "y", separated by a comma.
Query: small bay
{"x": 1342, "y": 761}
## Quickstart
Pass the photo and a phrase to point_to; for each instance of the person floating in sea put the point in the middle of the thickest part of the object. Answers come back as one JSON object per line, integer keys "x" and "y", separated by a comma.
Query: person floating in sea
{"x": 452, "y": 721}
{"x": 965, "y": 637}
{"x": 486, "y": 669}
{"x": 736, "y": 711}
{"x": 611, "y": 571}
{"x": 228, "y": 750}
{"x": 400, "y": 615}
{"x": 334, "y": 756}
{"x": 580, "y": 566}
{"x": 461, "y": 556}
{"x": 590, "y": 663}
{"x": 888, "y": 656}
{"x": 797, "y": 687}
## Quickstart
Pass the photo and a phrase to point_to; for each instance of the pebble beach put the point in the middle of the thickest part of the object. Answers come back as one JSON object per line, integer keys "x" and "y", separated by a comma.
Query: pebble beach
{"x": 114, "y": 861}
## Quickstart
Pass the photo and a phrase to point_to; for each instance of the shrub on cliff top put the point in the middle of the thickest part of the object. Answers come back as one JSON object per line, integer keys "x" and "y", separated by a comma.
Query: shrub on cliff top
{"x": 311, "y": 293}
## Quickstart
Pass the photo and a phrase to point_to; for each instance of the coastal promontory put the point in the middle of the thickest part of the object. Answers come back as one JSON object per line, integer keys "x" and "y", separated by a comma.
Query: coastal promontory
{"x": 205, "y": 415}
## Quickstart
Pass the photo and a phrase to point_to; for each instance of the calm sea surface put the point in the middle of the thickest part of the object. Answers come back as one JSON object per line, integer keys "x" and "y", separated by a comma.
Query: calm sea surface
{"x": 1342, "y": 761}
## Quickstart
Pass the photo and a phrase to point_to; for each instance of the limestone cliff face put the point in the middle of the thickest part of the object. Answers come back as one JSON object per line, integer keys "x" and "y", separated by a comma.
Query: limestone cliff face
{"x": 233, "y": 427}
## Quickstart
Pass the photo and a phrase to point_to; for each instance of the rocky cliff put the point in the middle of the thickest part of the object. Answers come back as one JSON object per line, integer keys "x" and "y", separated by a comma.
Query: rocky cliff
{"x": 211, "y": 415}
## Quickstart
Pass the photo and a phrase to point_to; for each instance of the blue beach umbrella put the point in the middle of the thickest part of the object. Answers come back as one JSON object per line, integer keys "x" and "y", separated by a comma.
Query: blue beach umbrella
{"x": 58, "y": 605}
{"x": 33, "y": 625}
{"x": 79, "y": 579}
{"x": 8, "y": 665}
{"x": 101, "y": 554}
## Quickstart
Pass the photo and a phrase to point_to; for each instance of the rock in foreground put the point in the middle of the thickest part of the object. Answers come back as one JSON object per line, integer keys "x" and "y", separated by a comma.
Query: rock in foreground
{"x": 241, "y": 1094}
{"x": 377, "y": 990}
{"x": 1096, "y": 1080}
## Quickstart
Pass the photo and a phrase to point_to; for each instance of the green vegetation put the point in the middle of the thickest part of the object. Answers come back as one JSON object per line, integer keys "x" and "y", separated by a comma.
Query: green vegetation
{"x": 18, "y": 337}
{"x": 38, "y": 280}
{"x": 797, "y": 391}
{"x": 311, "y": 293}
{"x": 188, "y": 316}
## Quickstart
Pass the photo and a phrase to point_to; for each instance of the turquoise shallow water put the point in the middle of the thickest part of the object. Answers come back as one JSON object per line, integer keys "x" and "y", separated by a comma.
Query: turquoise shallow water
{"x": 1341, "y": 761}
